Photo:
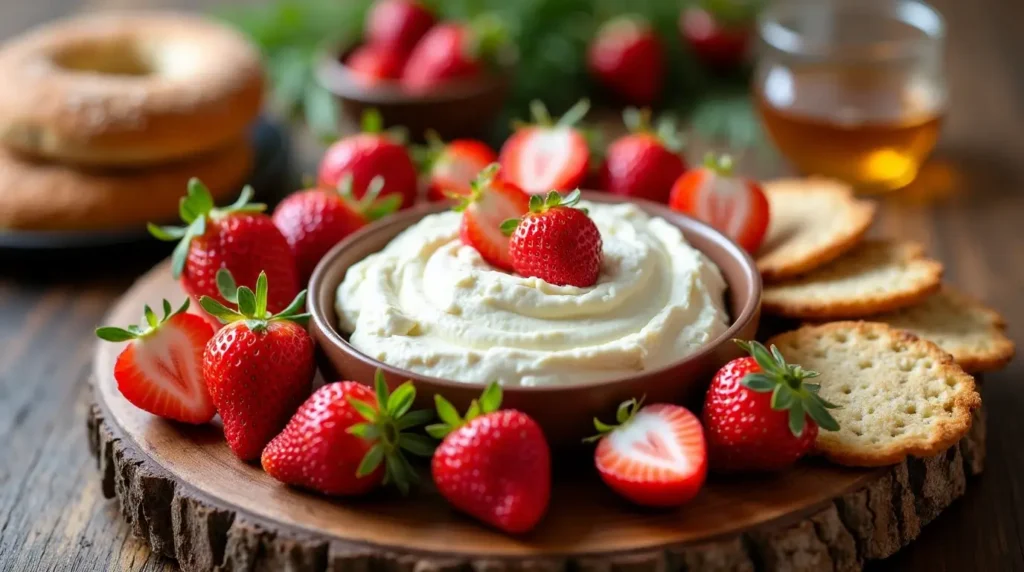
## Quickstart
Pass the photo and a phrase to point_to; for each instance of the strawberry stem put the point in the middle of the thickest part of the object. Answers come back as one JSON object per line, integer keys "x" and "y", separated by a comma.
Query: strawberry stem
{"x": 489, "y": 402}
{"x": 719, "y": 164}
{"x": 623, "y": 415}
{"x": 540, "y": 204}
{"x": 149, "y": 319}
{"x": 790, "y": 393}
{"x": 483, "y": 181}
{"x": 386, "y": 421}
{"x": 251, "y": 306}
{"x": 195, "y": 208}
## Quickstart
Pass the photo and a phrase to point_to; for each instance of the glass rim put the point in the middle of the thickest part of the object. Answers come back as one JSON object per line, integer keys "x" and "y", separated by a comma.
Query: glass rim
{"x": 916, "y": 13}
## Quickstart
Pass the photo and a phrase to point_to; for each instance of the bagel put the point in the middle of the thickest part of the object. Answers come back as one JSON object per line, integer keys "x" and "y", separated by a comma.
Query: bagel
{"x": 38, "y": 195}
{"x": 124, "y": 89}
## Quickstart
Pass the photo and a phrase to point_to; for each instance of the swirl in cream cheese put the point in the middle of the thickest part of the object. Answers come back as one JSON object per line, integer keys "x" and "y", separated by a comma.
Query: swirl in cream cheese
{"x": 430, "y": 304}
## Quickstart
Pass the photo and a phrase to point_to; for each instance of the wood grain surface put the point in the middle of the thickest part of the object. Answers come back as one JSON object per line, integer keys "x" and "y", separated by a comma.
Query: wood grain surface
{"x": 967, "y": 208}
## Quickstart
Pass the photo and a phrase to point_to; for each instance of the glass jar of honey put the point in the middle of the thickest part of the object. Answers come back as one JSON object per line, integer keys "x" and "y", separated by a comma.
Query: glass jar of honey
{"x": 852, "y": 89}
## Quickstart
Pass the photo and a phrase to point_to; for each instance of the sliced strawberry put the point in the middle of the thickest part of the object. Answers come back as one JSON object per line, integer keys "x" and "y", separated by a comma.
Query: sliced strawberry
{"x": 655, "y": 456}
{"x": 161, "y": 369}
{"x": 491, "y": 202}
{"x": 451, "y": 168}
{"x": 736, "y": 206}
{"x": 547, "y": 155}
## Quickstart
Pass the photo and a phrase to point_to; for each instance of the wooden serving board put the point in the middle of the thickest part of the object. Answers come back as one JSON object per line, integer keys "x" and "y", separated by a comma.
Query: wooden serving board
{"x": 183, "y": 492}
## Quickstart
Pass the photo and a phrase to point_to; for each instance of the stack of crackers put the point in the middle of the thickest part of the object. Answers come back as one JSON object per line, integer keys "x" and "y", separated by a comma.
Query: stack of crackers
{"x": 896, "y": 348}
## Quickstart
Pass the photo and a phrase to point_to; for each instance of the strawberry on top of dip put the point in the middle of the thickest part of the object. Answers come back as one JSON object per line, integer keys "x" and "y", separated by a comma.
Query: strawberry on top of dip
{"x": 430, "y": 304}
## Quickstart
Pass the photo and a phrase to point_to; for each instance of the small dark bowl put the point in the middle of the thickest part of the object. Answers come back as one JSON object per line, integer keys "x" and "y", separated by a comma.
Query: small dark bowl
{"x": 566, "y": 412}
{"x": 459, "y": 108}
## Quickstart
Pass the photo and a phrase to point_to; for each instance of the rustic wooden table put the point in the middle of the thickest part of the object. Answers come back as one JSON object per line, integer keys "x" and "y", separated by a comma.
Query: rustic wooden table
{"x": 968, "y": 209}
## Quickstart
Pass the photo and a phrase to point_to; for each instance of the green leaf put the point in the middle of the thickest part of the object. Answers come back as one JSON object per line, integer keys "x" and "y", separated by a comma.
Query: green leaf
{"x": 553, "y": 199}
{"x": 536, "y": 203}
{"x": 509, "y": 226}
{"x": 622, "y": 413}
{"x": 197, "y": 203}
{"x": 820, "y": 415}
{"x": 401, "y": 399}
{"x": 438, "y": 430}
{"x": 446, "y": 411}
{"x": 167, "y": 309}
{"x": 291, "y": 311}
{"x": 113, "y": 334}
{"x": 383, "y": 207}
{"x": 261, "y": 296}
{"x": 414, "y": 419}
{"x": 398, "y": 473}
{"x": 572, "y": 198}
{"x": 321, "y": 112}
{"x": 603, "y": 427}
{"x": 246, "y": 302}
{"x": 782, "y": 397}
{"x": 539, "y": 112}
{"x": 226, "y": 285}
{"x": 633, "y": 118}
{"x": 797, "y": 419}
{"x": 166, "y": 233}
{"x": 242, "y": 202}
{"x": 490, "y": 400}
{"x": 364, "y": 409}
{"x": 180, "y": 254}
{"x": 366, "y": 431}
{"x": 575, "y": 114}
{"x": 218, "y": 310}
{"x": 473, "y": 411}
{"x": 150, "y": 317}
{"x": 380, "y": 387}
{"x": 371, "y": 121}
{"x": 417, "y": 444}
{"x": 371, "y": 461}
{"x": 759, "y": 382}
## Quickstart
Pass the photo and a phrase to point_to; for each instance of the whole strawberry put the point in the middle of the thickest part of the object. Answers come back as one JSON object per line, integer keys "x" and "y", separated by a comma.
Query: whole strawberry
{"x": 371, "y": 65}
{"x": 493, "y": 465}
{"x": 348, "y": 440}
{"x": 453, "y": 51}
{"x": 548, "y": 154}
{"x": 555, "y": 241}
{"x": 239, "y": 238}
{"x": 314, "y": 220}
{"x": 397, "y": 25}
{"x": 491, "y": 201}
{"x": 644, "y": 163}
{"x": 626, "y": 57}
{"x": 719, "y": 32}
{"x": 369, "y": 154}
{"x": 760, "y": 414}
{"x": 450, "y": 168}
{"x": 258, "y": 367}
{"x": 160, "y": 369}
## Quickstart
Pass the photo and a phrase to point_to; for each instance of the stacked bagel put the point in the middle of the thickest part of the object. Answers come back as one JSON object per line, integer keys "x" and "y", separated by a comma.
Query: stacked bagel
{"x": 105, "y": 117}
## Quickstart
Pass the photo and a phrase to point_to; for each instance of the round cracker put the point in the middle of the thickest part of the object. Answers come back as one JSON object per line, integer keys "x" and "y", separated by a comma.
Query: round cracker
{"x": 898, "y": 395}
{"x": 813, "y": 221}
{"x": 875, "y": 276}
{"x": 962, "y": 326}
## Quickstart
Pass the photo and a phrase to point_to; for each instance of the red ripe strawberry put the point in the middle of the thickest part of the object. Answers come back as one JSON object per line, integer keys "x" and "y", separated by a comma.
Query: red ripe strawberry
{"x": 492, "y": 200}
{"x": 718, "y": 31}
{"x": 493, "y": 465}
{"x": 259, "y": 366}
{"x": 371, "y": 153}
{"x": 546, "y": 154}
{"x": 450, "y": 168}
{"x": 645, "y": 163}
{"x": 160, "y": 370}
{"x": 314, "y": 220}
{"x": 397, "y": 25}
{"x": 555, "y": 242}
{"x": 654, "y": 456}
{"x": 734, "y": 205}
{"x": 239, "y": 238}
{"x": 626, "y": 57}
{"x": 451, "y": 51}
{"x": 338, "y": 440}
{"x": 373, "y": 64}
{"x": 760, "y": 414}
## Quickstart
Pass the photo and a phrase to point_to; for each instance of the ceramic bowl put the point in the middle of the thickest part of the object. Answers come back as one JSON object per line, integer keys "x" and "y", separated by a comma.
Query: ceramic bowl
{"x": 460, "y": 108}
{"x": 564, "y": 412}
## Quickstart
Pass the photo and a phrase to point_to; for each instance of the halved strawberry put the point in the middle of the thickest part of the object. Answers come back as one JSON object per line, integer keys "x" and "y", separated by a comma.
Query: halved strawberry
{"x": 450, "y": 168}
{"x": 161, "y": 369}
{"x": 492, "y": 200}
{"x": 547, "y": 155}
{"x": 654, "y": 456}
{"x": 736, "y": 206}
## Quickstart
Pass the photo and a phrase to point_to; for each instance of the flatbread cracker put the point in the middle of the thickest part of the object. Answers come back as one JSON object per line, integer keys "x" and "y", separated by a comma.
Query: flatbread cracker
{"x": 876, "y": 276}
{"x": 813, "y": 221}
{"x": 962, "y": 326}
{"x": 898, "y": 395}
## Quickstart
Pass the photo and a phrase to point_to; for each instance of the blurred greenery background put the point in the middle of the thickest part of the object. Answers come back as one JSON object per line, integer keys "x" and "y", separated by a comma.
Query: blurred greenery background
{"x": 551, "y": 38}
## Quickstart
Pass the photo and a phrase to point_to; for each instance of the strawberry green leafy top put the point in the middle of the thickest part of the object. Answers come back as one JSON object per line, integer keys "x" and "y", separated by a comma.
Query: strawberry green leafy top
{"x": 541, "y": 204}
{"x": 252, "y": 306}
{"x": 150, "y": 324}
